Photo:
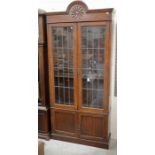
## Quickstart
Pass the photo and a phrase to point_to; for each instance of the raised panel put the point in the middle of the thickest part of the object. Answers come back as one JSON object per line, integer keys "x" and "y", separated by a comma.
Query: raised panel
{"x": 41, "y": 76}
{"x": 93, "y": 127}
{"x": 41, "y": 25}
{"x": 42, "y": 121}
{"x": 64, "y": 122}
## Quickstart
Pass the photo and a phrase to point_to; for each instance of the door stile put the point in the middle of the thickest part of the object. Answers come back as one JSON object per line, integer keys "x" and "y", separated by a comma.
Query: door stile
{"x": 75, "y": 61}
{"x": 107, "y": 62}
{"x": 50, "y": 66}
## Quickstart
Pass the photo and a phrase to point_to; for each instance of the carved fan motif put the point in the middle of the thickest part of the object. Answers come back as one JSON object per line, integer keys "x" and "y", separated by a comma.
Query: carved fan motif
{"x": 77, "y": 11}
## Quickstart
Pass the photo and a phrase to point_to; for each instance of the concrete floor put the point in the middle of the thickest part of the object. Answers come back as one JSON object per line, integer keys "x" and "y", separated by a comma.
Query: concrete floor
{"x": 55, "y": 147}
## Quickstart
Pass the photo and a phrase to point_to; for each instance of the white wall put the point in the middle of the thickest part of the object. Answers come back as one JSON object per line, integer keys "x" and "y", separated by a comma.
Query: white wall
{"x": 113, "y": 99}
{"x": 61, "y": 5}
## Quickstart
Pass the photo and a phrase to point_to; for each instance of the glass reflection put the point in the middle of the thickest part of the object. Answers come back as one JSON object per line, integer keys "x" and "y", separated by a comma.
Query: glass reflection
{"x": 93, "y": 38}
{"x": 63, "y": 64}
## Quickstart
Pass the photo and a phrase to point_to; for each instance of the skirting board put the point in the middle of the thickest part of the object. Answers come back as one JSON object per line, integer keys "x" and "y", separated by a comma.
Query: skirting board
{"x": 81, "y": 141}
{"x": 44, "y": 136}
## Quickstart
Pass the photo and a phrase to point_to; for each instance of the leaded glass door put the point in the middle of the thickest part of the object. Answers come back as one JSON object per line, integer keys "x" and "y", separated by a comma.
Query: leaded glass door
{"x": 63, "y": 64}
{"x": 92, "y": 66}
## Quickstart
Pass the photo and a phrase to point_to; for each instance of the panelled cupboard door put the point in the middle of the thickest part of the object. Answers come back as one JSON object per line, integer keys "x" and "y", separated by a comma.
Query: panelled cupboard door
{"x": 64, "y": 122}
{"x": 93, "y": 126}
{"x": 93, "y": 62}
{"x": 62, "y": 59}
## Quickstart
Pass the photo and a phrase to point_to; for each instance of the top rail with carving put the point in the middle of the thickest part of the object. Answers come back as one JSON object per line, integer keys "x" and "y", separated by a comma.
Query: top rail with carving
{"x": 78, "y": 11}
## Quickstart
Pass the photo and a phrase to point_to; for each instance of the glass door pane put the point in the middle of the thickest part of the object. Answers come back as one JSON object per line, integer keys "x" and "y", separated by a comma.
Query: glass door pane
{"x": 92, "y": 65}
{"x": 62, "y": 39}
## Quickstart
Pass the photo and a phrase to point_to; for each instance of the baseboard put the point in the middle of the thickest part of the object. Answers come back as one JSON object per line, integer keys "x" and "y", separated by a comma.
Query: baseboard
{"x": 80, "y": 141}
{"x": 44, "y": 136}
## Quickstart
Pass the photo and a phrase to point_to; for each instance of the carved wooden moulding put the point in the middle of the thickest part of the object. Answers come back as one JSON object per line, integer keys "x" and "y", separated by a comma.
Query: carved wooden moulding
{"x": 77, "y": 9}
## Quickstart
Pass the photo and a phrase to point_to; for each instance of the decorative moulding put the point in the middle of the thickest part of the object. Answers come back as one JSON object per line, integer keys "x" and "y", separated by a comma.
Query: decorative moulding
{"x": 77, "y": 9}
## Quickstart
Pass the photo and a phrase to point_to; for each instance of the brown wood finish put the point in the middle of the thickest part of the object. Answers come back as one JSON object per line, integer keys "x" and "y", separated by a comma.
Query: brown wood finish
{"x": 76, "y": 123}
{"x": 100, "y": 144}
{"x": 42, "y": 28}
{"x": 64, "y": 122}
{"x": 43, "y": 100}
{"x": 41, "y": 65}
{"x": 91, "y": 17}
{"x": 43, "y": 124}
{"x": 93, "y": 127}
{"x": 42, "y": 62}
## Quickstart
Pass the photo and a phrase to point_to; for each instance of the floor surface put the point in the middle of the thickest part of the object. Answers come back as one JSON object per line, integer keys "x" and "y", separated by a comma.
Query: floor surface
{"x": 55, "y": 147}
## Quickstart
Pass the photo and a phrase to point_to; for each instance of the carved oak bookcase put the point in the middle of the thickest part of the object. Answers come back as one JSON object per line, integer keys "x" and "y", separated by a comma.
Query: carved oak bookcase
{"x": 79, "y": 47}
{"x": 43, "y": 96}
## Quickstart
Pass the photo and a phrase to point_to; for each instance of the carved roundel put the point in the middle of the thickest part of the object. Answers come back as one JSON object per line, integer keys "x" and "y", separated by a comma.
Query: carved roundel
{"x": 77, "y": 11}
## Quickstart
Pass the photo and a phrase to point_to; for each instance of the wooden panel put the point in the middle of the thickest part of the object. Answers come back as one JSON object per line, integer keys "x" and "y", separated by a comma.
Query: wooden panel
{"x": 42, "y": 63}
{"x": 41, "y": 67}
{"x": 43, "y": 123}
{"x": 43, "y": 76}
{"x": 93, "y": 127}
{"x": 64, "y": 122}
{"x": 87, "y": 17}
{"x": 42, "y": 29}
{"x": 101, "y": 144}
